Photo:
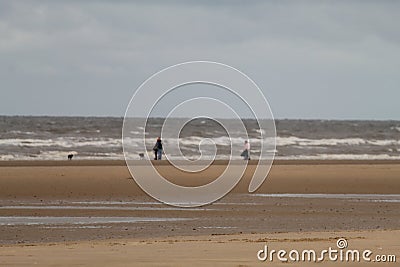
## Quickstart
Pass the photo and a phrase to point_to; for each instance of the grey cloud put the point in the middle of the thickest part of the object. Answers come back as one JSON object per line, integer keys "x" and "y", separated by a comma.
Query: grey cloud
{"x": 329, "y": 59}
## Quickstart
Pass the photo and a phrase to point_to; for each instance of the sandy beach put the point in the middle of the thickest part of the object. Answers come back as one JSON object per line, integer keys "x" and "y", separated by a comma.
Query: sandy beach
{"x": 92, "y": 213}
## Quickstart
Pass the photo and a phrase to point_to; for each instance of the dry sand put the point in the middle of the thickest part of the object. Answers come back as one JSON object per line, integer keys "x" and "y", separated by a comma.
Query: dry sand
{"x": 216, "y": 250}
{"x": 228, "y": 232}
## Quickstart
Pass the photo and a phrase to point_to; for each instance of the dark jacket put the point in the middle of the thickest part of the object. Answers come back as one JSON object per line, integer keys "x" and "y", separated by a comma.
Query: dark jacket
{"x": 158, "y": 145}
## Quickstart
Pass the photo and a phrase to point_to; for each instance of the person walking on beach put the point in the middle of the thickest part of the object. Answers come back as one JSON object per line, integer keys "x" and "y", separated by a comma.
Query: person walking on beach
{"x": 246, "y": 152}
{"x": 158, "y": 149}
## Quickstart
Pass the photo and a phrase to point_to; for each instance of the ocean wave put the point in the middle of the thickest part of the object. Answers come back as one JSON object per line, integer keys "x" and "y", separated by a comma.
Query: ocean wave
{"x": 16, "y": 132}
{"x": 194, "y": 140}
{"x": 292, "y": 140}
{"x": 66, "y": 142}
{"x": 100, "y": 138}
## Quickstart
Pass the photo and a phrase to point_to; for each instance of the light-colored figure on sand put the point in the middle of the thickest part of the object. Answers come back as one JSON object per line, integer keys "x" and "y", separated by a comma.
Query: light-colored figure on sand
{"x": 246, "y": 151}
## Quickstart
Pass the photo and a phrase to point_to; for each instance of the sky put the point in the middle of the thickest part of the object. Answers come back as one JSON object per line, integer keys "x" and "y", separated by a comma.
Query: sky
{"x": 311, "y": 59}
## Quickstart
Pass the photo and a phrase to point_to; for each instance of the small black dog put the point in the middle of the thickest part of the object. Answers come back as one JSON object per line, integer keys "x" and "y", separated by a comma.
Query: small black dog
{"x": 70, "y": 156}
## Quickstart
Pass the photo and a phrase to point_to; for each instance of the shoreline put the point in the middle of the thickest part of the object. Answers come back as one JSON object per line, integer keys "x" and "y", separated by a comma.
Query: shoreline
{"x": 107, "y": 162}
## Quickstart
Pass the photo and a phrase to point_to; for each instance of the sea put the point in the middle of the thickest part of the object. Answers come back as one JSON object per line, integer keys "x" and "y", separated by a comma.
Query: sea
{"x": 53, "y": 138}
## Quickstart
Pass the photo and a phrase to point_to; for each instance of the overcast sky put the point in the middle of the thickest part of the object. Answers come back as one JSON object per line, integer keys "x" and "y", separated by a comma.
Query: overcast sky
{"x": 316, "y": 59}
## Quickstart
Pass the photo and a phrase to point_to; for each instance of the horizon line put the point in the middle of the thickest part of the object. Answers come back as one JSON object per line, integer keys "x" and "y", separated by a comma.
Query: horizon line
{"x": 122, "y": 117}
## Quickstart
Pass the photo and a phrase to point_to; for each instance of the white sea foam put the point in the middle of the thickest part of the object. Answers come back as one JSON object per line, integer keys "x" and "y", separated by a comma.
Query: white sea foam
{"x": 290, "y": 141}
{"x": 384, "y": 142}
{"x": 21, "y": 132}
{"x": 260, "y": 131}
{"x": 8, "y": 157}
{"x": 67, "y": 142}
{"x": 340, "y": 157}
{"x": 221, "y": 140}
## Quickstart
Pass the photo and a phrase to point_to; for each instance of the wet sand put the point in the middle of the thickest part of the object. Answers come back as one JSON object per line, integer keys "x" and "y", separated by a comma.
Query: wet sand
{"x": 111, "y": 179}
{"x": 87, "y": 208}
